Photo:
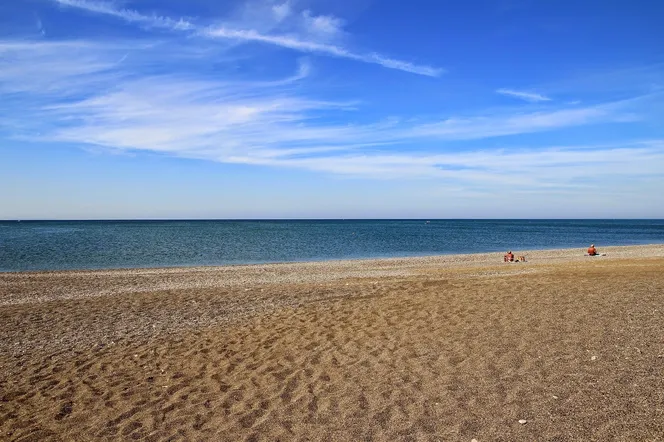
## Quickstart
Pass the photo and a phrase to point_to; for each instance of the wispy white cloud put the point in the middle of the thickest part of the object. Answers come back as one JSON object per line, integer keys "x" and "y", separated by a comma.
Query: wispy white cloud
{"x": 60, "y": 69}
{"x": 281, "y": 11}
{"x": 92, "y": 99}
{"x": 128, "y": 15}
{"x": 320, "y": 48}
{"x": 527, "y": 96}
{"x": 323, "y": 26}
{"x": 40, "y": 26}
{"x": 560, "y": 167}
{"x": 516, "y": 123}
{"x": 318, "y": 33}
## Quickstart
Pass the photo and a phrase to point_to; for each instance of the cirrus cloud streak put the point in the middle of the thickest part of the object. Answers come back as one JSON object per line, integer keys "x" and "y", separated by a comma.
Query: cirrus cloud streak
{"x": 319, "y": 30}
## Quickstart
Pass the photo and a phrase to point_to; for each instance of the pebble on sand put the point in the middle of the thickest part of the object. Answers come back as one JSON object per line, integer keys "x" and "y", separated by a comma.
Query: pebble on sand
{"x": 523, "y": 421}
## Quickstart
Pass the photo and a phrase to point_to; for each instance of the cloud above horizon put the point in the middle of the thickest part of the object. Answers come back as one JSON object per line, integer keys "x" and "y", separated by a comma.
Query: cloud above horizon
{"x": 96, "y": 99}
{"x": 309, "y": 33}
{"x": 527, "y": 96}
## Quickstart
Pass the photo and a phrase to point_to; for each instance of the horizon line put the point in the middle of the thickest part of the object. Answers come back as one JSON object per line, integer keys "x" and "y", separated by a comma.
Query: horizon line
{"x": 16, "y": 220}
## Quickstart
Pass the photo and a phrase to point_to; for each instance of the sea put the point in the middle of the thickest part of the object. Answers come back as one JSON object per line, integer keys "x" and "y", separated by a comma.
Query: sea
{"x": 69, "y": 245}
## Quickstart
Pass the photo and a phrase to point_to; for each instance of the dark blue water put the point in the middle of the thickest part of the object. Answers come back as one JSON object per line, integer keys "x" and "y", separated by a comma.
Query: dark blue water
{"x": 54, "y": 245}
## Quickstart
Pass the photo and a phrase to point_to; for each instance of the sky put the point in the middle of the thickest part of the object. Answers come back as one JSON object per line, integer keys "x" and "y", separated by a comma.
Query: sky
{"x": 331, "y": 109}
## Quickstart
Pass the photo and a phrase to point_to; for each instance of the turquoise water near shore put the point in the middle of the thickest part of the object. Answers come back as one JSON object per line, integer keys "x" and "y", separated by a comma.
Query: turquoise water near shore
{"x": 65, "y": 245}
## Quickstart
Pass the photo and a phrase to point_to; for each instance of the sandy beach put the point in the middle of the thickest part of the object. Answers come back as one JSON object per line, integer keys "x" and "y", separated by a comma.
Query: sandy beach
{"x": 450, "y": 348}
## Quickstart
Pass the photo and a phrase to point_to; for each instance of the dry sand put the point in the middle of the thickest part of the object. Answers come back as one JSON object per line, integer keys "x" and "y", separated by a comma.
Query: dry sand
{"x": 438, "y": 348}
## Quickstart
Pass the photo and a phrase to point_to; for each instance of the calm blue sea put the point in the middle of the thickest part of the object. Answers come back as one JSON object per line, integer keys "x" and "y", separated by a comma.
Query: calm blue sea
{"x": 55, "y": 245}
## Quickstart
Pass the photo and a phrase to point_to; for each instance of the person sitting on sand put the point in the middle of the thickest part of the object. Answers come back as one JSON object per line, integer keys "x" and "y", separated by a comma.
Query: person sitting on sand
{"x": 509, "y": 257}
{"x": 592, "y": 251}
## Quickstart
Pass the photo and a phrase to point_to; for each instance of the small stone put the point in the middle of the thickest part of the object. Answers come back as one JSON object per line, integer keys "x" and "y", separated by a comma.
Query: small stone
{"x": 555, "y": 397}
{"x": 474, "y": 440}
{"x": 523, "y": 421}
{"x": 594, "y": 358}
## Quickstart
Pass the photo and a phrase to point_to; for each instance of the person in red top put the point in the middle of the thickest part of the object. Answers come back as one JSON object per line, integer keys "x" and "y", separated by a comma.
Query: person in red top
{"x": 509, "y": 257}
{"x": 592, "y": 251}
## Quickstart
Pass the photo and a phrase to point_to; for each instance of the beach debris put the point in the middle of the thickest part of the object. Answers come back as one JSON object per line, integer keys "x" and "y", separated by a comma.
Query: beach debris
{"x": 593, "y": 358}
{"x": 65, "y": 411}
{"x": 474, "y": 440}
{"x": 523, "y": 421}
{"x": 555, "y": 397}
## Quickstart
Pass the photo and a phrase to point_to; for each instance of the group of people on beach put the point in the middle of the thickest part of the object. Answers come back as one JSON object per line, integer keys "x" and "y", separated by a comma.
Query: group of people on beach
{"x": 509, "y": 256}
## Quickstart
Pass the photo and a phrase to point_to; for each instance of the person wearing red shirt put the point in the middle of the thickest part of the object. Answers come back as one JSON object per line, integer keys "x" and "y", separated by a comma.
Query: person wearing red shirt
{"x": 592, "y": 251}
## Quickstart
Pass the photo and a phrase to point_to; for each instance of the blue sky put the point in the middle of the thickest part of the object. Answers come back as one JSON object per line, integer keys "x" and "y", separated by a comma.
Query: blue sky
{"x": 331, "y": 109}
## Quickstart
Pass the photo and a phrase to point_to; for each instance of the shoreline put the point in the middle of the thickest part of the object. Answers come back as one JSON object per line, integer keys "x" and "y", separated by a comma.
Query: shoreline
{"x": 572, "y": 253}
